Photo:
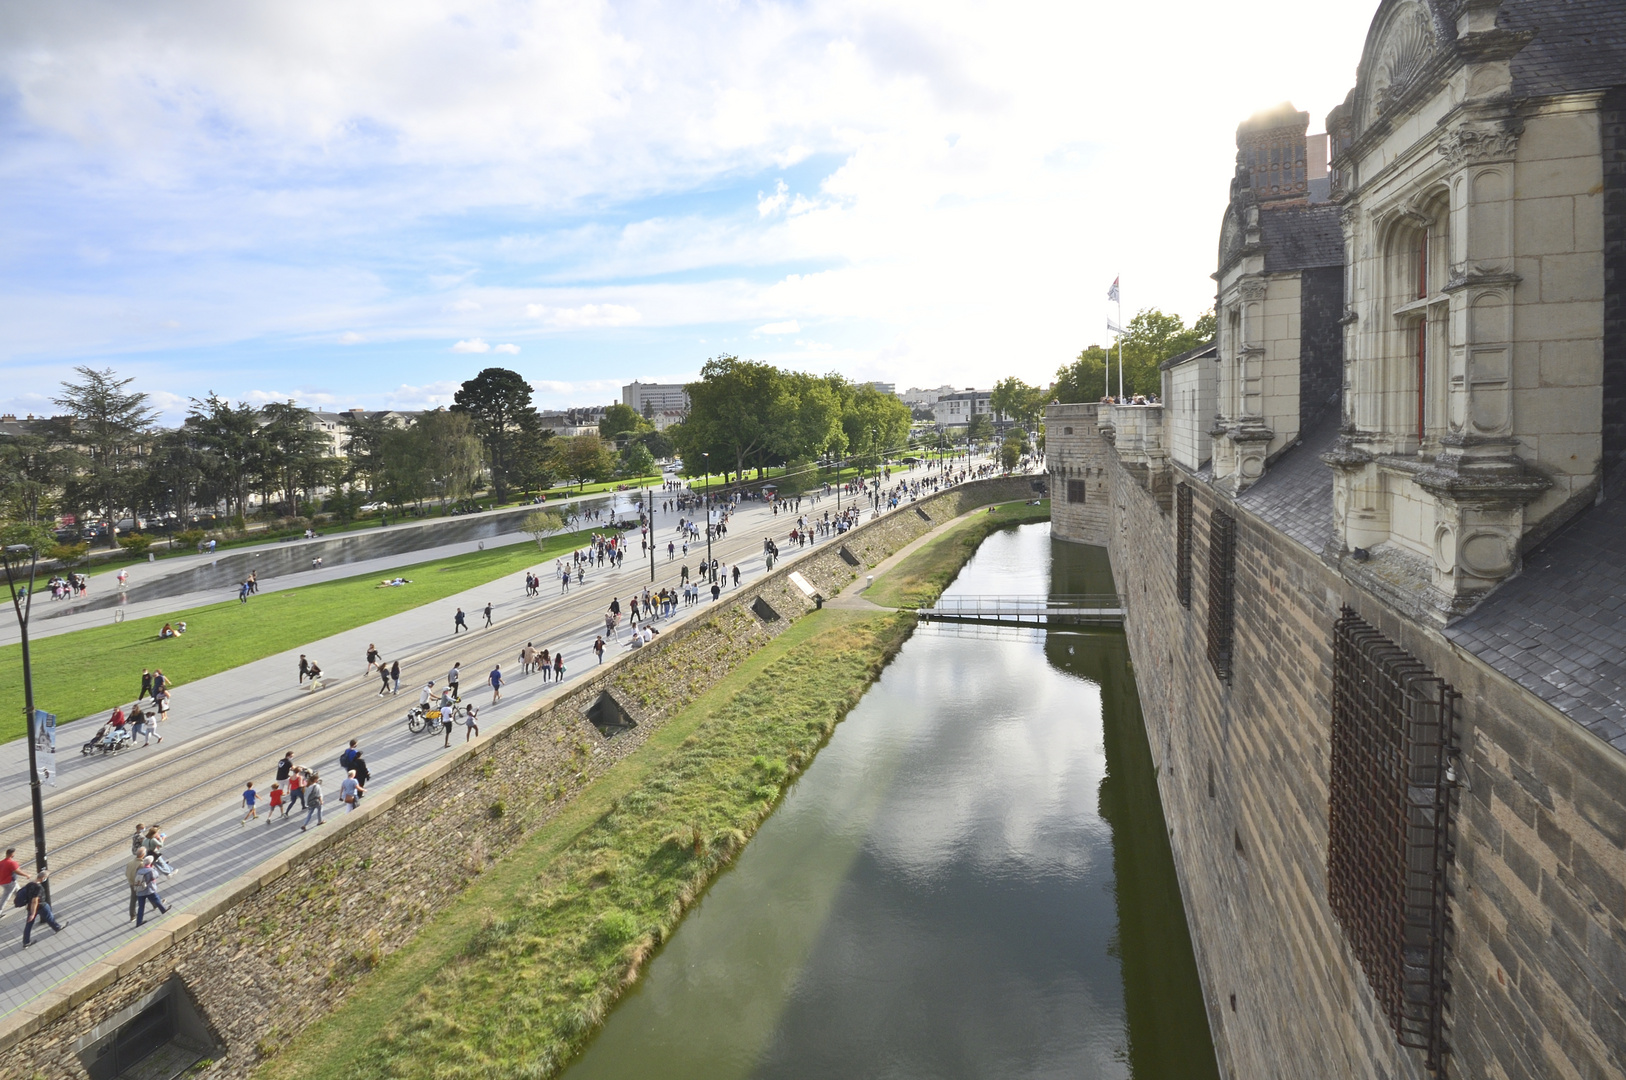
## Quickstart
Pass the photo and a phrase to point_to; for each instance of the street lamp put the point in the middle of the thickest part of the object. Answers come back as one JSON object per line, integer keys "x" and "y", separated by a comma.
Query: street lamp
{"x": 14, "y": 553}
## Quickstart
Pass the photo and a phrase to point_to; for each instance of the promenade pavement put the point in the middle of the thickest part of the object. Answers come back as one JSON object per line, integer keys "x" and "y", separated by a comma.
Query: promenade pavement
{"x": 211, "y": 848}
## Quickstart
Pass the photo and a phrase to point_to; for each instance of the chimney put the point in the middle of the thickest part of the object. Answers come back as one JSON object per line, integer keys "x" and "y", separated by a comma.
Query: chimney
{"x": 1270, "y": 147}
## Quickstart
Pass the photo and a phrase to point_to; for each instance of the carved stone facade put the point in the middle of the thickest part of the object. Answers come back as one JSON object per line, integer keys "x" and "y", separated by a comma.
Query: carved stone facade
{"x": 1473, "y": 220}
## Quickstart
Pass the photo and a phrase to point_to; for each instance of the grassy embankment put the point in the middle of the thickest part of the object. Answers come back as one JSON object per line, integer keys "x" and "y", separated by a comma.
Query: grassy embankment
{"x": 89, "y": 671}
{"x": 920, "y": 578}
{"x": 512, "y": 978}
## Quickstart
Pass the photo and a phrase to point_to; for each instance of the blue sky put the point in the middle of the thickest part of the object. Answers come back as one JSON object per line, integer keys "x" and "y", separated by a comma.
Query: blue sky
{"x": 365, "y": 203}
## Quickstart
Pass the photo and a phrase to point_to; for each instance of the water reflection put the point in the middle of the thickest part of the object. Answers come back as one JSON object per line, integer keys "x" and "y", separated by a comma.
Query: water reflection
{"x": 971, "y": 880}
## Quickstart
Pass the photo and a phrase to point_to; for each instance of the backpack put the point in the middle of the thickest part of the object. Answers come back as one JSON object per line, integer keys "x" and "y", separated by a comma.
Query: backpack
{"x": 24, "y": 895}
{"x": 347, "y": 759}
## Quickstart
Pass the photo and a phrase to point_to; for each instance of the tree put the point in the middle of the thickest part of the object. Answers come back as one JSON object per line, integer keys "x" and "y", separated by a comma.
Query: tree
{"x": 499, "y": 400}
{"x": 621, "y": 420}
{"x": 729, "y": 410}
{"x": 542, "y": 524}
{"x": 1018, "y": 401}
{"x": 292, "y": 445}
{"x": 1151, "y": 338}
{"x": 1011, "y": 449}
{"x": 451, "y": 452}
{"x": 874, "y": 423}
{"x": 658, "y": 443}
{"x": 34, "y": 467}
{"x": 110, "y": 425}
{"x": 637, "y": 461}
{"x": 979, "y": 427}
{"x": 584, "y": 459}
{"x": 229, "y": 444}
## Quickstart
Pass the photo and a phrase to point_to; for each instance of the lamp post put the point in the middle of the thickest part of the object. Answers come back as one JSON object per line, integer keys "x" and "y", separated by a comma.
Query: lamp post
{"x": 651, "y": 494}
{"x": 13, "y": 553}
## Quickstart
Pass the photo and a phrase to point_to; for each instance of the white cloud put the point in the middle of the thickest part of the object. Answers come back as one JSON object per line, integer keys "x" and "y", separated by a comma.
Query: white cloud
{"x": 790, "y": 326}
{"x": 768, "y": 204}
{"x": 464, "y": 306}
{"x": 587, "y": 315}
{"x": 473, "y": 345}
{"x": 429, "y": 396}
{"x": 350, "y": 337}
{"x": 511, "y": 349}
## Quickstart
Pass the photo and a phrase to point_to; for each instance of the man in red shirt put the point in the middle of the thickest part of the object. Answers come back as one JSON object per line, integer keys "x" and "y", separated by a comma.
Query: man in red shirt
{"x": 10, "y": 871}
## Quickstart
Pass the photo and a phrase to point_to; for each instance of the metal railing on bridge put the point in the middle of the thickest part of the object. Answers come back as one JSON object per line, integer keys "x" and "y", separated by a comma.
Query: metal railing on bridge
{"x": 1082, "y": 609}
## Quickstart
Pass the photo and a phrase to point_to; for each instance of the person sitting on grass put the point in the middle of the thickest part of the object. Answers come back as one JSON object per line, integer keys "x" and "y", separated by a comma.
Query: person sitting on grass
{"x": 167, "y": 632}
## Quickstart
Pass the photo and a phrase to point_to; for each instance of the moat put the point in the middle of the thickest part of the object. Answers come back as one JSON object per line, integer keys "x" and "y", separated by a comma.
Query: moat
{"x": 973, "y": 879}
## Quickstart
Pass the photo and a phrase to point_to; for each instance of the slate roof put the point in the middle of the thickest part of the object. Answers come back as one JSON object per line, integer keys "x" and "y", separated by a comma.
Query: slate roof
{"x": 1578, "y": 45}
{"x": 1301, "y": 237}
{"x": 1206, "y": 351}
{"x": 1295, "y": 494}
{"x": 1559, "y": 627}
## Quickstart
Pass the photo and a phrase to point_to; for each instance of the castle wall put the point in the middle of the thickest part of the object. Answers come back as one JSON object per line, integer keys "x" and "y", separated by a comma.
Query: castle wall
{"x": 1538, "y": 962}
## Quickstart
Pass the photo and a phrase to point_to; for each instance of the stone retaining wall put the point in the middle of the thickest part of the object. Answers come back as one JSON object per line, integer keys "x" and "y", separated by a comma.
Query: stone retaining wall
{"x": 270, "y": 954}
{"x": 1537, "y": 963}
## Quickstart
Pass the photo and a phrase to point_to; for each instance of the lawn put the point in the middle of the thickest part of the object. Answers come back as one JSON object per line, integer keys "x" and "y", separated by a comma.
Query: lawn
{"x": 920, "y": 578}
{"x": 513, "y": 977}
{"x": 89, "y": 671}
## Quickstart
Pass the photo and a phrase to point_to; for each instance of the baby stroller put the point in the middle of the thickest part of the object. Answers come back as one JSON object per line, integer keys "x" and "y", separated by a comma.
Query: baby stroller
{"x": 108, "y": 739}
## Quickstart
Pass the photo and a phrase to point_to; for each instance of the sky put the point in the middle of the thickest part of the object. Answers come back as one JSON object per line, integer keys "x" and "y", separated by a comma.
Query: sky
{"x": 365, "y": 203}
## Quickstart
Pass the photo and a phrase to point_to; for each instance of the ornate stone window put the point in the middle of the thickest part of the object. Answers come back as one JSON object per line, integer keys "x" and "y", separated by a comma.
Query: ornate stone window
{"x": 1415, "y": 375}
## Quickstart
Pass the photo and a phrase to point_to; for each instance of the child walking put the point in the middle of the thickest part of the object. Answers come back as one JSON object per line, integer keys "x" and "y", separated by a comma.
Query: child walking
{"x": 276, "y": 802}
{"x": 250, "y": 800}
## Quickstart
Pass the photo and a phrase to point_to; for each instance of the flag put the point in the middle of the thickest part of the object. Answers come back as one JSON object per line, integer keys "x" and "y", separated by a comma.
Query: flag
{"x": 1112, "y": 293}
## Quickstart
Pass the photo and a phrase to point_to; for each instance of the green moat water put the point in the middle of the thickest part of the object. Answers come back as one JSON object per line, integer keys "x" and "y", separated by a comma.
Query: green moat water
{"x": 973, "y": 879}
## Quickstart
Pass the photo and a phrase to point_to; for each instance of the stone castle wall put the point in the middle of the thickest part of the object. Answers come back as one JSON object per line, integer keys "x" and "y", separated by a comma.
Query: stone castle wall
{"x": 1538, "y": 962}
{"x": 278, "y": 949}
{"x": 1074, "y": 451}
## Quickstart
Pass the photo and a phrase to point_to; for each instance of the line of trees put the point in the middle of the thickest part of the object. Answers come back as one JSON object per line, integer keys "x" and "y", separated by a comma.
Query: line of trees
{"x": 746, "y": 416}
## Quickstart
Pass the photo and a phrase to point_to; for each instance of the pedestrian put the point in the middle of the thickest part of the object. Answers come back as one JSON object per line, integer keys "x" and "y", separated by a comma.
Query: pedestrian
{"x": 527, "y": 658}
{"x": 146, "y": 683}
{"x": 488, "y": 615}
{"x": 372, "y": 659}
{"x": 350, "y": 790}
{"x": 316, "y": 677}
{"x": 32, "y": 897}
{"x": 138, "y": 843}
{"x": 313, "y": 801}
{"x": 384, "y": 679}
{"x": 495, "y": 678}
{"x": 274, "y": 804}
{"x": 132, "y": 867}
{"x": 154, "y": 845}
{"x": 147, "y": 890}
{"x": 10, "y": 871}
{"x": 144, "y": 725}
{"x": 364, "y": 775}
{"x": 736, "y": 575}
{"x": 347, "y": 760}
{"x": 559, "y": 666}
{"x": 469, "y": 717}
{"x": 452, "y": 677}
{"x": 716, "y": 591}
{"x": 159, "y": 684}
{"x": 304, "y": 669}
{"x": 250, "y": 800}
{"x": 296, "y": 791}
{"x": 395, "y": 677}
{"x": 598, "y": 648}
{"x": 544, "y": 664}
{"x": 446, "y": 722}
{"x": 163, "y": 711}
{"x": 459, "y": 622}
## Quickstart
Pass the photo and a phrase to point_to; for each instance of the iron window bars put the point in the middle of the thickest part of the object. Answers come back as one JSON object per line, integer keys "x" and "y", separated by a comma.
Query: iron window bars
{"x": 1221, "y": 591}
{"x": 1389, "y": 820}
{"x": 1182, "y": 544}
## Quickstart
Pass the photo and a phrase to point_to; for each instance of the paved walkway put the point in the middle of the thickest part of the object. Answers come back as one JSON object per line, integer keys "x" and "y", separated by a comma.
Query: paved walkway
{"x": 207, "y": 844}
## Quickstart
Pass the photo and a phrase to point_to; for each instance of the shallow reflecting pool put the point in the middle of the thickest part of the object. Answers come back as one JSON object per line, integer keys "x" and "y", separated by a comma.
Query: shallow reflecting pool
{"x": 972, "y": 880}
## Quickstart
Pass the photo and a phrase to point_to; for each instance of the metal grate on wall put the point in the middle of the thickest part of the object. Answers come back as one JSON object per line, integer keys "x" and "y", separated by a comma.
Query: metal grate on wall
{"x": 1182, "y": 544}
{"x": 1221, "y": 591}
{"x": 1077, "y": 491}
{"x": 1389, "y": 827}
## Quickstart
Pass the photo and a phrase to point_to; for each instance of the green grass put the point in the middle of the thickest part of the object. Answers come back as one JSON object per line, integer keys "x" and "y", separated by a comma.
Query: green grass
{"x": 89, "y": 671}
{"x": 567, "y": 490}
{"x": 920, "y": 578}
{"x": 514, "y": 976}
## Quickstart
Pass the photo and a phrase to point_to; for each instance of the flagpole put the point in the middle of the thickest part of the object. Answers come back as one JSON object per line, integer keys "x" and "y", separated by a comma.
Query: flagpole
{"x": 1120, "y": 346}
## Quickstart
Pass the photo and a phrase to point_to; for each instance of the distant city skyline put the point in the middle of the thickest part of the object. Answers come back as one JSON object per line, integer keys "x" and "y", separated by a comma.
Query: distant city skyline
{"x": 269, "y": 202}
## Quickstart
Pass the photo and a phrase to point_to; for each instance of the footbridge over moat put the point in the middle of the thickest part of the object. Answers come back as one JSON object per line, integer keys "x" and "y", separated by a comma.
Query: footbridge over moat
{"x": 1080, "y": 609}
